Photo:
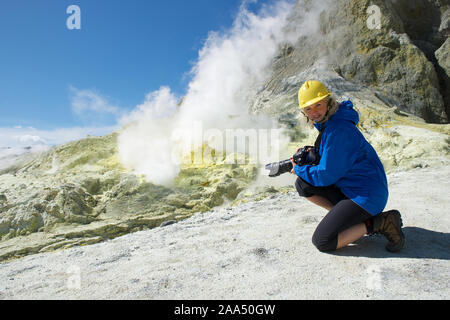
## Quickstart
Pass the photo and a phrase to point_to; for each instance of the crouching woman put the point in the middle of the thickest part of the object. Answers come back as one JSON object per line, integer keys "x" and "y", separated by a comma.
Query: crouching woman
{"x": 349, "y": 180}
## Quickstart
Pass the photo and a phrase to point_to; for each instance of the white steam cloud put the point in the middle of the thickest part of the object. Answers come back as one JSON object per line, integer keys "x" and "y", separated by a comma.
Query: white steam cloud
{"x": 230, "y": 68}
{"x": 145, "y": 144}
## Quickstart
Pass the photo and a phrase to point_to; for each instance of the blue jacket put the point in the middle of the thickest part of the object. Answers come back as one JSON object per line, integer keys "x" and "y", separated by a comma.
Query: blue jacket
{"x": 348, "y": 161}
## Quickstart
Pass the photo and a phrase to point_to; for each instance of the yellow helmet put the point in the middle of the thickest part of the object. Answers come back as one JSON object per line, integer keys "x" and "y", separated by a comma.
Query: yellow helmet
{"x": 311, "y": 92}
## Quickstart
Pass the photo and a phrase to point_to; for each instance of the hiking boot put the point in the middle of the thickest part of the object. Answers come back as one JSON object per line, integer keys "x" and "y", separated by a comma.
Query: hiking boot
{"x": 390, "y": 224}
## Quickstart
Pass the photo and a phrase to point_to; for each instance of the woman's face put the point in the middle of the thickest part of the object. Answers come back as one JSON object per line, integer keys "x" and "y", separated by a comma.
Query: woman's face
{"x": 316, "y": 111}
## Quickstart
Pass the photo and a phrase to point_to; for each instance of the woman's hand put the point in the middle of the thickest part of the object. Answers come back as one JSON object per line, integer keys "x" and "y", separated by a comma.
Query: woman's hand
{"x": 293, "y": 165}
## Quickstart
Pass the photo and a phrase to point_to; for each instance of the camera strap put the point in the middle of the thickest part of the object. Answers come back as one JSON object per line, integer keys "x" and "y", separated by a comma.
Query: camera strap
{"x": 313, "y": 155}
{"x": 318, "y": 141}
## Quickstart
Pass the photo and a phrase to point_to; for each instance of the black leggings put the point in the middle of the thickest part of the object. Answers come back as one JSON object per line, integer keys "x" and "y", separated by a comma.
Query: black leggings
{"x": 344, "y": 214}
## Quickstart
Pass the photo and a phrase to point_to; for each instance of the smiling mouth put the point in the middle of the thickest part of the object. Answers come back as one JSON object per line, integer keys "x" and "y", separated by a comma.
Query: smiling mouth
{"x": 317, "y": 118}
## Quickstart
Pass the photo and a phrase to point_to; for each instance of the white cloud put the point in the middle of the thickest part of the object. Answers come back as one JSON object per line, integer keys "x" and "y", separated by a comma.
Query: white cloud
{"x": 27, "y": 138}
{"x": 18, "y": 140}
{"x": 101, "y": 117}
{"x": 18, "y": 136}
{"x": 92, "y": 107}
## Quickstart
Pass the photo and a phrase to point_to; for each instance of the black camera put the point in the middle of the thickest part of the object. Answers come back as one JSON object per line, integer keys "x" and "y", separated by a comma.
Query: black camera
{"x": 304, "y": 156}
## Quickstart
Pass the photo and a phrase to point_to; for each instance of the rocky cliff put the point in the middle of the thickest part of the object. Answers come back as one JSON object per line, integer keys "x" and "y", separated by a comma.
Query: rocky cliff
{"x": 397, "y": 49}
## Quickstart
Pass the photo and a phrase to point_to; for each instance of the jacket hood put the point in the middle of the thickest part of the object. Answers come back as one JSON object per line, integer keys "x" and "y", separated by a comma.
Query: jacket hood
{"x": 344, "y": 112}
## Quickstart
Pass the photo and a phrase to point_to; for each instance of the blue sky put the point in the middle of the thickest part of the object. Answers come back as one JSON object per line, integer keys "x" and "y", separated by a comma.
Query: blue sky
{"x": 124, "y": 50}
